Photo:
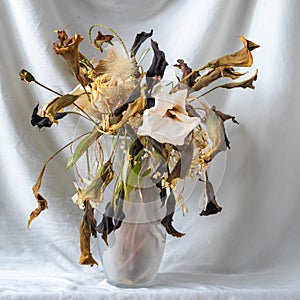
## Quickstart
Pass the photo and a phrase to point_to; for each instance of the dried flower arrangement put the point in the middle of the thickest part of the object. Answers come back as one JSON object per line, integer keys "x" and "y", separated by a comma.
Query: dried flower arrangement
{"x": 161, "y": 121}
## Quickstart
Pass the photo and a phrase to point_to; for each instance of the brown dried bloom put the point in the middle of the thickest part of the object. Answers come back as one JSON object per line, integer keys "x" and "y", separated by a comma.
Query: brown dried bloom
{"x": 68, "y": 49}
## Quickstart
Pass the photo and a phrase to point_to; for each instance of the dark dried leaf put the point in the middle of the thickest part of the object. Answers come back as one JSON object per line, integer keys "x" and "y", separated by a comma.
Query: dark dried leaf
{"x": 106, "y": 226}
{"x": 139, "y": 40}
{"x": 186, "y": 70}
{"x": 212, "y": 206}
{"x": 119, "y": 215}
{"x": 40, "y": 122}
{"x": 158, "y": 65}
{"x": 162, "y": 193}
{"x": 183, "y": 164}
{"x": 168, "y": 219}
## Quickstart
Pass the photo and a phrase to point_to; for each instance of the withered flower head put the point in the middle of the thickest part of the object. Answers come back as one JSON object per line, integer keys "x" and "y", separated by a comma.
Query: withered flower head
{"x": 101, "y": 39}
{"x": 26, "y": 76}
{"x": 68, "y": 49}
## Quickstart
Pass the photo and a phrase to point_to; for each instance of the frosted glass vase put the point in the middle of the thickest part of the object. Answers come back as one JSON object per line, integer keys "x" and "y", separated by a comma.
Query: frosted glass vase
{"x": 134, "y": 251}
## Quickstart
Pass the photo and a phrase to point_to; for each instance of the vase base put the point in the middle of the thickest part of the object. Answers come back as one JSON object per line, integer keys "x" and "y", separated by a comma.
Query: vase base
{"x": 130, "y": 285}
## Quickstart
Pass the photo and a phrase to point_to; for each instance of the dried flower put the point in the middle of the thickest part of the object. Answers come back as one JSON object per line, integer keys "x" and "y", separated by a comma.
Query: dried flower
{"x": 168, "y": 121}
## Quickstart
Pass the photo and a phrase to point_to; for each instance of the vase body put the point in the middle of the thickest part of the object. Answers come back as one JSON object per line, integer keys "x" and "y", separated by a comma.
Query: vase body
{"x": 134, "y": 251}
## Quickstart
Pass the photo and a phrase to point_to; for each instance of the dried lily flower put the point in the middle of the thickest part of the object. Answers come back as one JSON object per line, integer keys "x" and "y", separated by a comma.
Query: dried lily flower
{"x": 68, "y": 49}
{"x": 168, "y": 121}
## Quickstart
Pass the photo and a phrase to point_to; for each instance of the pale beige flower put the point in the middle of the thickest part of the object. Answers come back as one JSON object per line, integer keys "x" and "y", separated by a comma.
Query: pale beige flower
{"x": 168, "y": 121}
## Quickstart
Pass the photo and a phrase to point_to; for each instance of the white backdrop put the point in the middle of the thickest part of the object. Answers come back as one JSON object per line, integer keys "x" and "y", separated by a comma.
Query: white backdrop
{"x": 251, "y": 249}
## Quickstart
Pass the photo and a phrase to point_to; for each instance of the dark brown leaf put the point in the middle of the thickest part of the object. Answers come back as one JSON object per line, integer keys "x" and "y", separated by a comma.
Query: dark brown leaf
{"x": 186, "y": 70}
{"x": 139, "y": 40}
{"x": 212, "y": 206}
{"x": 158, "y": 65}
{"x": 168, "y": 219}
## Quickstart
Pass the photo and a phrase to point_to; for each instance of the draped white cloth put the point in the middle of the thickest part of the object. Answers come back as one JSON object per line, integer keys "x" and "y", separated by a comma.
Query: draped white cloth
{"x": 251, "y": 249}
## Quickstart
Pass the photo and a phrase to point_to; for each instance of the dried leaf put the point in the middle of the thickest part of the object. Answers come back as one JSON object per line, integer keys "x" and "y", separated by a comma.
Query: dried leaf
{"x": 186, "y": 70}
{"x": 87, "y": 227}
{"x": 241, "y": 58}
{"x": 243, "y": 84}
{"x": 40, "y": 122}
{"x": 106, "y": 226}
{"x": 42, "y": 202}
{"x": 212, "y": 206}
{"x": 216, "y": 132}
{"x": 104, "y": 176}
{"x": 168, "y": 219}
{"x": 162, "y": 193}
{"x": 101, "y": 39}
{"x": 182, "y": 166}
{"x": 53, "y": 107}
{"x": 83, "y": 146}
{"x": 215, "y": 74}
{"x": 139, "y": 40}
{"x": 158, "y": 65}
{"x": 133, "y": 108}
{"x": 119, "y": 215}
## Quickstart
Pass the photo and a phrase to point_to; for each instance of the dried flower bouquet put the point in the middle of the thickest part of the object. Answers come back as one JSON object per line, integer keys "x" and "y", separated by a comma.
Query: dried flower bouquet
{"x": 168, "y": 124}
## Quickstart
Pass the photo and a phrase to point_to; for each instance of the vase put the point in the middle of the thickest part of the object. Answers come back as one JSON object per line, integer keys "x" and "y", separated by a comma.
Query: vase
{"x": 133, "y": 254}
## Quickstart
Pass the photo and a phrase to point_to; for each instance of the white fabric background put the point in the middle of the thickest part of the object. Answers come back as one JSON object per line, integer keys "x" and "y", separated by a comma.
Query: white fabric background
{"x": 251, "y": 249}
